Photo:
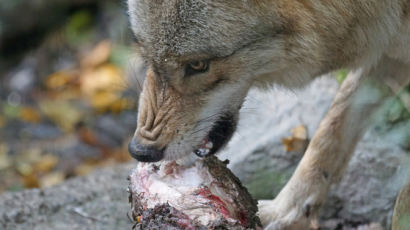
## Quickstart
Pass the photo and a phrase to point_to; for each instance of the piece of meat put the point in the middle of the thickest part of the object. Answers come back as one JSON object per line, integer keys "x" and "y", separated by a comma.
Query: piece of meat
{"x": 205, "y": 195}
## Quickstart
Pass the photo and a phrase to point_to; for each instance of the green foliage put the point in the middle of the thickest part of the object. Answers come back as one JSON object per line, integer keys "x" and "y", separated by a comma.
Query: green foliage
{"x": 266, "y": 184}
{"x": 15, "y": 188}
{"x": 10, "y": 111}
{"x": 397, "y": 112}
{"x": 78, "y": 28}
{"x": 120, "y": 55}
{"x": 341, "y": 75}
{"x": 404, "y": 221}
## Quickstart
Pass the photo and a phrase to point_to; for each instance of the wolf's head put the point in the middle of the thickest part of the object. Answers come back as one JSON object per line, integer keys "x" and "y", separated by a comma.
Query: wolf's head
{"x": 201, "y": 56}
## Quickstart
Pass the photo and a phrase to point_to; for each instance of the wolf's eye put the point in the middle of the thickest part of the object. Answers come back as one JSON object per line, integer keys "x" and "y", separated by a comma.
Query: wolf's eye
{"x": 196, "y": 67}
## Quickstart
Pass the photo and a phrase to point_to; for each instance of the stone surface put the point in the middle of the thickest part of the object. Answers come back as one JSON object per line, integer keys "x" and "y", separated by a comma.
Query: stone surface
{"x": 96, "y": 202}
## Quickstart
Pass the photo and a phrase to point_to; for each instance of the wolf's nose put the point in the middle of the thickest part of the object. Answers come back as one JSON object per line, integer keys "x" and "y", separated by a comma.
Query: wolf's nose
{"x": 144, "y": 153}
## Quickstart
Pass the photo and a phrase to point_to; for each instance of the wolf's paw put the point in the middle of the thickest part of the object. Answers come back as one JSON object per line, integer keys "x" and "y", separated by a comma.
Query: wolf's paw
{"x": 284, "y": 215}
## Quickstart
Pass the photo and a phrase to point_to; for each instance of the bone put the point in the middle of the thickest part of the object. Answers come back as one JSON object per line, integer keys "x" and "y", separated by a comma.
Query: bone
{"x": 205, "y": 195}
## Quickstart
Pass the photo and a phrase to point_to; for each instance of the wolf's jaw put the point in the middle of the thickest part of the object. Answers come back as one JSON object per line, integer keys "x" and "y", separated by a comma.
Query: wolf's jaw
{"x": 204, "y": 148}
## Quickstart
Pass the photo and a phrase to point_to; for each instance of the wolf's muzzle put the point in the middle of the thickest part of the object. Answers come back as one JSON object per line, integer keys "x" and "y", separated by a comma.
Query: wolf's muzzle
{"x": 144, "y": 153}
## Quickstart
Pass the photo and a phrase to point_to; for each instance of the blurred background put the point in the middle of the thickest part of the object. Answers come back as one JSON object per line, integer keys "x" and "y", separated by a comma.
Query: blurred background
{"x": 64, "y": 105}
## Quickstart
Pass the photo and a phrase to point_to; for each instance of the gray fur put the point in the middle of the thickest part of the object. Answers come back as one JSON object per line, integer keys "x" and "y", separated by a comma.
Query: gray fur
{"x": 175, "y": 28}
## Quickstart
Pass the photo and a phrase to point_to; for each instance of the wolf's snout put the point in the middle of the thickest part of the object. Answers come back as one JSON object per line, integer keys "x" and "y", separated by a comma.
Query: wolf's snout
{"x": 144, "y": 153}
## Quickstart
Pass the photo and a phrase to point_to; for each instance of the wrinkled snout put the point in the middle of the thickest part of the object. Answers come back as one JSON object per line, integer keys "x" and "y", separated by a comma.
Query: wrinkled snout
{"x": 144, "y": 153}
{"x": 158, "y": 120}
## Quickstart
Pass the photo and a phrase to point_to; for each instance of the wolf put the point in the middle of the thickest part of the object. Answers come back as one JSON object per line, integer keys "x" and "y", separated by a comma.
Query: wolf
{"x": 201, "y": 57}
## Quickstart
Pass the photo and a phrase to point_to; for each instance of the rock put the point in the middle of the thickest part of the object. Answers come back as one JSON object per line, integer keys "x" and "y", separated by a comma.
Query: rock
{"x": 41, "y": 131}
{"x": 22, "y": 78}
{"x": 371, "y": 182}
{"x": 98, "y": 202}
{"x": 111, "y": 129}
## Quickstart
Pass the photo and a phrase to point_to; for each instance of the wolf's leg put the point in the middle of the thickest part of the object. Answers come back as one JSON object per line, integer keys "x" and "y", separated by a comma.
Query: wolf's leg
{"x": 330, "y": 149}
{"x": 401, "y": 216}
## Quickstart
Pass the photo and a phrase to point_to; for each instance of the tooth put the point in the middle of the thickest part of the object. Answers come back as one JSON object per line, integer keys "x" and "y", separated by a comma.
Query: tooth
{"x": 205, "y": 152}
{"x": 202, "y": 152}
{"x": 209, "y": 145}
{"x": 204, "y": 141}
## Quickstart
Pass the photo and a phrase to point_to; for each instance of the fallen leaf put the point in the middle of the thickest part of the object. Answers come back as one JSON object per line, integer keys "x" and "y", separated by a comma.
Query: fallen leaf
{"x": 88, "y": 136}
{"x": 85, "y": 169}
{"x": 63, "y": 113}
{"x": 24, "y": 169}
{"x": 59, "y": 79}
{"x": 122, "y": 156}
{"x": 298, "y": 140}
{"x": 47, "y": 163}
{"x": 52, "y": 179}
{"x": 139, "y": 218}
{"x": 30, "y": 115}
{"x": 103, "y": 100}
{"x": 30, "y": 156}
{"x": 70, "y": 92}
{"x": 105, "y": 78}
{"x": 31, "y": 181}
{"x": 98, "y": 55}
{"x": 121, "y": 104}
{"x": 300, "y": 132}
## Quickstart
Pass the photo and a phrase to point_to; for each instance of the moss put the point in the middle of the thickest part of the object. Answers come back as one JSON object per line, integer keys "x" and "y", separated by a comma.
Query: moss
{"x": 266, "y": 184}
{"x": 404, "y": 221}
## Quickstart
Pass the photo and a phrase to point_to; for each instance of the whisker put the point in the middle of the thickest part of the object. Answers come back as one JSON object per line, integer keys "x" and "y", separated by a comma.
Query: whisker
{"x": 202, "y": 129}
{"x": 136, "y": 70}
{"x": 249, "y": 109}
{"x": 209, "y": 117}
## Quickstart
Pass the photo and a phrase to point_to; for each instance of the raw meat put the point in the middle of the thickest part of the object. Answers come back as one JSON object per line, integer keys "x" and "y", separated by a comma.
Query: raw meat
{"x": 205, "y": 195}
